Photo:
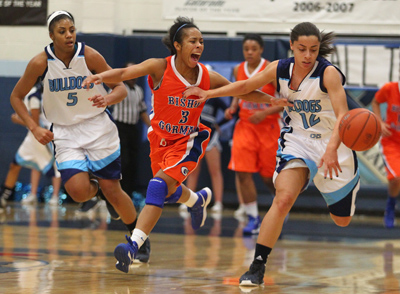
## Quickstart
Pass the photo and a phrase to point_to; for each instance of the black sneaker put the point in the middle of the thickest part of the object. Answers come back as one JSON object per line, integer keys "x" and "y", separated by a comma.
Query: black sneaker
{"x": 254, "y": 276}
{"x": 143, "y": 254}
{"x": 5, "y": 194}
{"x": 113, "y": 213}
{"x": 88, "y": 208}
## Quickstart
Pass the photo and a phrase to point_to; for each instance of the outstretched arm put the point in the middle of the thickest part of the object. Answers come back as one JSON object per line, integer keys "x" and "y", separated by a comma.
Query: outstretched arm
{"x": 245, "y": 89}
{"x": 240, "y": 87}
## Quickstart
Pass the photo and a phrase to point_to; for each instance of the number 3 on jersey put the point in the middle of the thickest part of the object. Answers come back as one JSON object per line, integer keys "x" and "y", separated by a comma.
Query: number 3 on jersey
{"x": 73, "y": 97}
{"x": 184, "y": 118}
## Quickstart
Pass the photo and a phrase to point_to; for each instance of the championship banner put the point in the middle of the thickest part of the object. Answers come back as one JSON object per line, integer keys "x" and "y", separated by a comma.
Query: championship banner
{"x": 23, "y": 12}
{"x": 280, "y": 11}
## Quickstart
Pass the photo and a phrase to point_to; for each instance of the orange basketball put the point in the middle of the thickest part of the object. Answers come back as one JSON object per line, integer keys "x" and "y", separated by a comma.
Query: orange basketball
{"x": 359, "y": 129}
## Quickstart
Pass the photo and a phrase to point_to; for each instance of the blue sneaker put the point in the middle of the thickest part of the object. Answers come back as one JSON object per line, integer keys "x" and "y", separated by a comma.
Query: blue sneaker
{"x": 390, "y": 212}
{"x": 125, "y": 253}
{"x": 253, "y": 226}
{"x": 199, "y": 209}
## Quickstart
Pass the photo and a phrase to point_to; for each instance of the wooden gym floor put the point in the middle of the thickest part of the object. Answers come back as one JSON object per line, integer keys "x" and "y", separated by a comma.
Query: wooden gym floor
{"x": 49, "y": 250}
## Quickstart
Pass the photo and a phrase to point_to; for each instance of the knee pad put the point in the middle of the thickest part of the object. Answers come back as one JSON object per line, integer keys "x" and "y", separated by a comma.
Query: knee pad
{"x": 157, "y": 190}
{"x": 175, "y": 196}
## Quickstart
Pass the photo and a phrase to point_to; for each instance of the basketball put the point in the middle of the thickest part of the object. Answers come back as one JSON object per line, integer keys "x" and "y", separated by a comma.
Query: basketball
{"x": 359, "y": 129}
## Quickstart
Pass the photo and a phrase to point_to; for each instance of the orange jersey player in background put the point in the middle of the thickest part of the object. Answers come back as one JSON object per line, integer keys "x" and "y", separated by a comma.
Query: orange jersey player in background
{"x": 255, "y": 137}
{"x": 390, "y": 94}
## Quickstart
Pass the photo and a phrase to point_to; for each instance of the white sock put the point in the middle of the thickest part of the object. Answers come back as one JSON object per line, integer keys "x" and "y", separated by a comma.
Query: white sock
{"x": 251, "y": 208}
{"x": 192, "y": 199}
{"x": 139, "y": 237}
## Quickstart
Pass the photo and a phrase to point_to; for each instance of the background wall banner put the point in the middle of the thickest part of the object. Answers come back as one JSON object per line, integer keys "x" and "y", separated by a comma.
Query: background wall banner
{"x": 23, "y": 12}
{"x": 321, "y": 11}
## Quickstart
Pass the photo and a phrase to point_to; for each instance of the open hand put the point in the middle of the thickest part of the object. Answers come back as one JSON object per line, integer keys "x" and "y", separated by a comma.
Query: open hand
{"x": 331, "y": 164}
{"x": 281, "y": 102}
{"x": 95, "y": 79}
{"x": 196, "y": 91}
{"x": 99, "y": 101}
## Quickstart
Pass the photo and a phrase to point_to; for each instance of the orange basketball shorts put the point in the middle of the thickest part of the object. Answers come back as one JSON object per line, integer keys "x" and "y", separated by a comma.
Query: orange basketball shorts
{"x": 254, "y": 147}
{"x": 391, "y": 157}
{"x": 178, "y": 158}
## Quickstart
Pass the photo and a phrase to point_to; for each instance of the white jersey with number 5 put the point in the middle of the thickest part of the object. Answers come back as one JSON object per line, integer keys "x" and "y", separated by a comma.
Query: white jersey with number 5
{"x": 65, "y": 102}
{"x": 312, "y": 110}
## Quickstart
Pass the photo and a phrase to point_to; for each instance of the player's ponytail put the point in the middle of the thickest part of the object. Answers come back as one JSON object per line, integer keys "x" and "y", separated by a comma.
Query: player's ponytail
{"x": 175, "y": 33}
{"x": 310, "y": 29}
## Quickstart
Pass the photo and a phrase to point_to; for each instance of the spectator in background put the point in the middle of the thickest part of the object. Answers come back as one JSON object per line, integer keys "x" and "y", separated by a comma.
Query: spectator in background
{"x": 31, "y": 154}
{"x": 390, "y": 94}
{"x": 256, "y": 133}
{"x": 127, "y": 114}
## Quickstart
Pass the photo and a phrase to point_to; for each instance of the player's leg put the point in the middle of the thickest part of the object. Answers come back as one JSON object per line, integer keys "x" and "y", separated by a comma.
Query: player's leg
{"x": 240, "y": 211}
{"x": 166, "y": 187}
{"x": 56, "y": 183}
{"x": 7, "y": 188}
{"x": 249, "y": 193}
{"x": 391, "y": 157}
{"x": 390, "y": 210}
{"x": 272, "y": 223}
{"x": 340, "y": 192}
{"x": 245, "y": 162}
{"x": 32, "y": 196}
{"x": 213, "y": 159}
{"x": 120, "y": 200}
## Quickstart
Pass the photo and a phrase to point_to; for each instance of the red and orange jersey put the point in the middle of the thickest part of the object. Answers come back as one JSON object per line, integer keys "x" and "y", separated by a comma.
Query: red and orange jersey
{"x": 248, "y": 108}
{"x": 390, "y": 94}
{"x": 173, "y": 116}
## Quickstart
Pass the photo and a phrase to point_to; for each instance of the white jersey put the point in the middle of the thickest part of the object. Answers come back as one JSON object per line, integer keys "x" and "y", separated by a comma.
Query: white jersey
{"x": 65, "y": 102}
{"x": 312, "y": 110}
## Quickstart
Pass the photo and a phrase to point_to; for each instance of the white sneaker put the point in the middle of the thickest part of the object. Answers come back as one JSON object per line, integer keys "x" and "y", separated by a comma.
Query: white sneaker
{"x": 53, "y": 200}
{"x": 30, "y": 199}
{"x": 182, "y": 207}
{"x": 240, "y": 211}
{"x": 217, "y": 207}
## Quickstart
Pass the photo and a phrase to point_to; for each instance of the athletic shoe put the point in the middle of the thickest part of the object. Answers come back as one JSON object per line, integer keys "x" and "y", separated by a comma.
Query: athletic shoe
{"x": 390, "y": 213}
{"x": 88, "y": 208}
{"x": 111, "y": 210}
{"x": 240, "y": 211}
{"x": 199, "y": 209}
{"x": 5, "y": 194}
{"x": 30, "y": 199}
{"x": 143, "y": 254}
{"x": 217, "y": 207}
{"x": 182, "y": 207}
{"x": 253, "y": 226}
{"x": 53, "y": 200}
{"x": 3, "y": 204}
{"x": 254, "y": 276}
{"x": 125, "y": 253}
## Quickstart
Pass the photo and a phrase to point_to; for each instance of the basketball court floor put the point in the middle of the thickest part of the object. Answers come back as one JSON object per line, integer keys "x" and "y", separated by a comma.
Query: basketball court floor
{"x": 49, "y": 250}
